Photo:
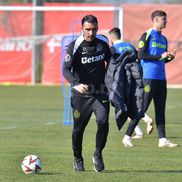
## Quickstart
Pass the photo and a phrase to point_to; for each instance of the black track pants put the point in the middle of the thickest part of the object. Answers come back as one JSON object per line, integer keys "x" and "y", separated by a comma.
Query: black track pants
{"x": 156, "y": 90}
{"x": 83, "y": 107}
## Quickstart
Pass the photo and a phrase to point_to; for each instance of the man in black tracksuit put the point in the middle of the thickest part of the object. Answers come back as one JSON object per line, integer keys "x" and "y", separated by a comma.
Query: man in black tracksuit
{"x": 84, "y": 67}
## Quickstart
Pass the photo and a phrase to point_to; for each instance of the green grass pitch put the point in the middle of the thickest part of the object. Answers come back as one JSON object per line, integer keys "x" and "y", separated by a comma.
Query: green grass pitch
{"x": 31, "y": 123}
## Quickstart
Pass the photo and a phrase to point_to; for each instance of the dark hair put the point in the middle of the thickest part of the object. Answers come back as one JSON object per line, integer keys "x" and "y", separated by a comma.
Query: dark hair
{"x": 159, "y": 13}
{"x": 116, "y": 32}
{"x": 89, "y": 19}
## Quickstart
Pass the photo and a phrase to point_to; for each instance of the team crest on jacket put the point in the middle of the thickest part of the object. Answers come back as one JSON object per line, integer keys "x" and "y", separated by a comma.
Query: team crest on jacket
{"x": 141, "y": 44}
{"x": 76, "y": 114}
{"x": 99, "y": 47}
{"x": 147, "y": 88}
{"x": 67, "y": 58}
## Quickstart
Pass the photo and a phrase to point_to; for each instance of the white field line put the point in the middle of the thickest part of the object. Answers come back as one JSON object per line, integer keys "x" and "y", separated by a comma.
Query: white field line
{"x": 50, "y": 123}
{"x": 8, "y": 128}
{"x": 15, "y": 127}
{"x": 173, "y": 107}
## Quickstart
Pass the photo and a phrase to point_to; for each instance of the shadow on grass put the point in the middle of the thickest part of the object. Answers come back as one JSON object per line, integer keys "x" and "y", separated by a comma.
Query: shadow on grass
{"x": 174, "y": 137}
{"x": 49, "y": 173}
{"x": 116, "y": 171}
{"x": 143, "y": 171}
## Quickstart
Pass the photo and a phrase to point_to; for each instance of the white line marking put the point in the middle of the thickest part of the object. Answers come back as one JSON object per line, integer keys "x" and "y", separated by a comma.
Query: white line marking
{"x": 8, "y": 128}
{"x": 173, "y": 107}
{"x": 50, "y": 123}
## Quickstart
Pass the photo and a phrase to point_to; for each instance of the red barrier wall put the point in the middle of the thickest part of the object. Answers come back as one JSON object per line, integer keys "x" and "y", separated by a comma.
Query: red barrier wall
{"x": 137, "y": 20}
{"x": 56, "y": 23}
{"x": 15, "y": 58}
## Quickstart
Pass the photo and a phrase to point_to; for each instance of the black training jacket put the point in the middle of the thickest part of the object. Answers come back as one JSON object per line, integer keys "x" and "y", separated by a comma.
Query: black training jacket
{"x": 85, "y": 63}
{"x": 125, "y": 86}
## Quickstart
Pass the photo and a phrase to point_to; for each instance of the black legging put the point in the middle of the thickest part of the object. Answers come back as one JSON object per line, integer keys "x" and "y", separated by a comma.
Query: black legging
{"x": 82, "y": 110}
{"x": 156, "y": 90}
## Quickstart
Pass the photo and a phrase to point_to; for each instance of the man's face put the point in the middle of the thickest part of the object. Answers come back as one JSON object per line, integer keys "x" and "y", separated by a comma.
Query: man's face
{"x": 89, "y": 31}
{"x": 161, "y": 21}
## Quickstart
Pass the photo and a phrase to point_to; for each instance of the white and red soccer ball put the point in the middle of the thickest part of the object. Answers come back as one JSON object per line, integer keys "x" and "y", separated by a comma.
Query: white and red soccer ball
{"x": 31, "y": 164}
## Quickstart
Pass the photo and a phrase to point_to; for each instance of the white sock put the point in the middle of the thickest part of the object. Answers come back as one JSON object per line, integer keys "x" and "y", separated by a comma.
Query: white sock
{"x": 146, "y": 118}
{"x": 162, "y": 139}
{"x": 126, "y": 137}
{"x": 138, "y": 130}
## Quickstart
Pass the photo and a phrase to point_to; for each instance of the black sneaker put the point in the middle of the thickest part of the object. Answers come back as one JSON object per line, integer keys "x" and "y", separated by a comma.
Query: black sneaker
{"x": 98, "y": 163}
{"x": 78, "y": 165}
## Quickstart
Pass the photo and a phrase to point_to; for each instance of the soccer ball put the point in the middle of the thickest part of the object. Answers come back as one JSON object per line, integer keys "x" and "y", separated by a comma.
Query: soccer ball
{"x": 31, "y": 164}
